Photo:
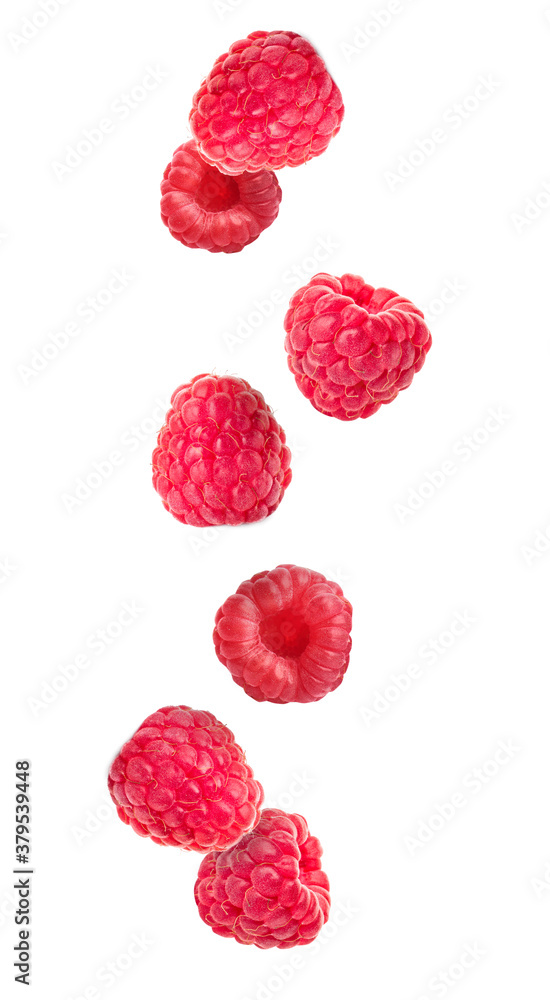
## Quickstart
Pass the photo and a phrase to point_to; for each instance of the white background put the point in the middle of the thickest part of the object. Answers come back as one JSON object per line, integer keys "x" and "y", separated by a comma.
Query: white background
{"x": 467, "y": 548}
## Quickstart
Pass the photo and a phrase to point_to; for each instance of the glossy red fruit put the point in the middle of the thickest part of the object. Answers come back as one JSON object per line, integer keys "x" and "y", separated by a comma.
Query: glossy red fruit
{"x": 221, "y": 456}
{"x": 183, "y": 781}
{"x": 268, "y": 890}
{"x": 267, "y": 103}
{"x": 205, "y": 209}
{"x": 285, "y": 635}
{"x": 352, "y": 347}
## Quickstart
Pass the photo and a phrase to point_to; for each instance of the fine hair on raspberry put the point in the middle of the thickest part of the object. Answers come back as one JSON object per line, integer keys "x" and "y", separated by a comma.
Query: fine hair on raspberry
{"x": 221, "y": 456}
{"x": 269, "y": 890}
{"x": 285, "y": 635}
{"x": 352, "y": 347}
{"x": 206, "y": 209}
{"x": 267, "y": 103}
{"x": 183, "y": 781}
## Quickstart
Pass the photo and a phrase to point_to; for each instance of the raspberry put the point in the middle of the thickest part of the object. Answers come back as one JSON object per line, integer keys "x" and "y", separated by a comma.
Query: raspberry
{"x": 221, "y": 455}
{"x": 206, "y": 209}
{"x": 269, "y": 890}
{"x": 352, "y": 347}
{"x": 182, "y": 780}
{"x": 285, "y": 635}
{"x": 267, "y": 103}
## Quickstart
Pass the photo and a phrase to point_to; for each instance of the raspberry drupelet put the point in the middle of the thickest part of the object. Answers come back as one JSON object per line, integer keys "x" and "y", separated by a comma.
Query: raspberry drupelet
{"x": 269, "y": 890}
{"x": 183, "y": 781}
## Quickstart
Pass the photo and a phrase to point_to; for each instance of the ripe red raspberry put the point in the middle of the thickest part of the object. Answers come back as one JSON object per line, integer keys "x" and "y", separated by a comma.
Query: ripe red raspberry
{"x": 285, "y": 635}
{"x": 206, "y": 209}
{"x": 267, "y": 103}
{"x": 268, "y": 890}
{"x": 182, "y": 780}
{"x": 221, "y": 455}
{"x": 352, "y": 347}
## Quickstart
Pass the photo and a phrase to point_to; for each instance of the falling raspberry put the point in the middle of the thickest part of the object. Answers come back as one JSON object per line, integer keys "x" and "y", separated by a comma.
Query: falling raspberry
{"x": 183, "y": 781}
{"x": 206, "y": 209}
{"x": 285, "y": 635}
{"x": 267, "y": 103}
{"x": 352, "y": 347}
{"x": 269, "y": 890}
{"x": 221, "y": 455}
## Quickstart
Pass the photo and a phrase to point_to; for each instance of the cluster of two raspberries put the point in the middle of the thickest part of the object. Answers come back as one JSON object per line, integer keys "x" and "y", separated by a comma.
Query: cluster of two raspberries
{"x": 267, "y": 103}
{"x": 183, "y": 781}
{"x": 222, "y": 459}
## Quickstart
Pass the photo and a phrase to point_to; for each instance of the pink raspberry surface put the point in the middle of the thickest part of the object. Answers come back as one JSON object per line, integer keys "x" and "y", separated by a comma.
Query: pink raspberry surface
{"x": 206, "y": 209}
{"x": 285, "y": 635}
{"x": 221, "y": 455}
{"x": 183, "y": 781}
{"x": 352, "y": 347}
{"x": 268, "y": 890}
{"x": 267, "y": 103}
